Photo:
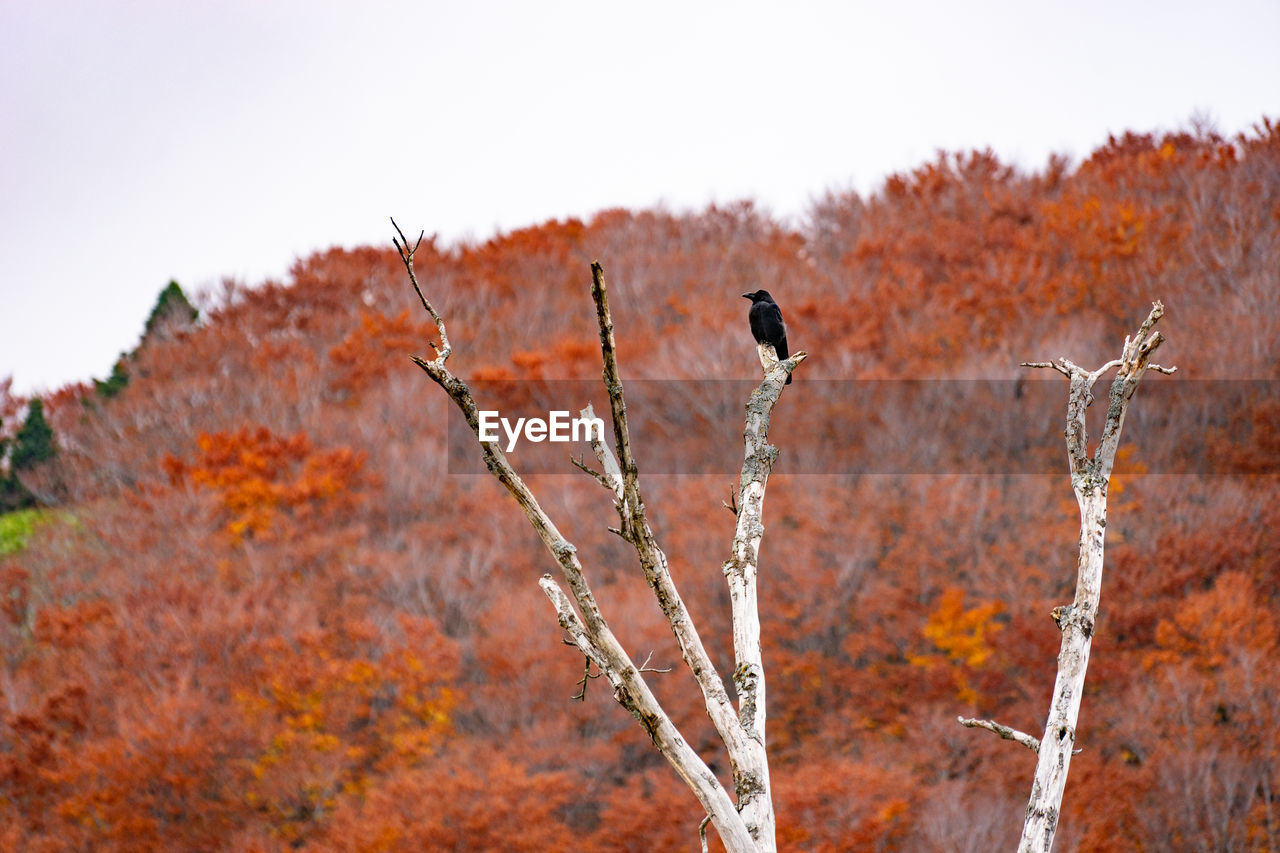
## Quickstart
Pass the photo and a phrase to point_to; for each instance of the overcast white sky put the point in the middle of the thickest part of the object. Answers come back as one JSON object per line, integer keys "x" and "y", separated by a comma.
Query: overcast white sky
{"x": 148, "y": 140}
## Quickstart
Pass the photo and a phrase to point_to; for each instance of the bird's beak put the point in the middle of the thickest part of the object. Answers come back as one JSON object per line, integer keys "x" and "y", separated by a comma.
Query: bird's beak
{"x": 746, "y": 296}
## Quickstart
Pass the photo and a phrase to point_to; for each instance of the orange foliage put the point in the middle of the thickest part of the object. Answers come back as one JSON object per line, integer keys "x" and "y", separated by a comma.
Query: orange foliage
{"x": 258, "y": 475}
{"x": 963, "y": 635}
{"x": 369, "y": 351}
{"x": 965, "y": 638}
{"x": 269, "y": 615}
{"x": 331, "y": 730}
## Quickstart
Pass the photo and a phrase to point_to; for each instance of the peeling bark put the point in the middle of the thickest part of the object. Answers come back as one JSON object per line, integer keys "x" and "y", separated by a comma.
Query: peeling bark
{"x": 1090, "y": 476}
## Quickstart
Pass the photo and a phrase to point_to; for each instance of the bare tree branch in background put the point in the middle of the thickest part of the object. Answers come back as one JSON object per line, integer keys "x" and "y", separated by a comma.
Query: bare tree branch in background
{"x": 1090, "y": 476}
{"x": 745, "y": 821}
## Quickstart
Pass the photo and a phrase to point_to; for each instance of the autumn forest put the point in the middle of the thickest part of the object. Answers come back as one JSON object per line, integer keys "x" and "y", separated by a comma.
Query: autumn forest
{"x": 258, "y": 592}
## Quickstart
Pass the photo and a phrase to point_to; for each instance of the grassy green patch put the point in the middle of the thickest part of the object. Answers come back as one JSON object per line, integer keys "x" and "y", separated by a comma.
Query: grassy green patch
{"x": 16, "y": 527}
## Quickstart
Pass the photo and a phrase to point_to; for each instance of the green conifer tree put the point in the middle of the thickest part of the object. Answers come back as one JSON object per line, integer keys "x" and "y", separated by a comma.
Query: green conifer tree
{"x": 116, "y": 382}
{"x": 34, "y": 442}
{"x": 32, "y": 445}
{"x": 172, "y": 306}
{"x": 13, "y": 495}
{"x": 172, "y": 311}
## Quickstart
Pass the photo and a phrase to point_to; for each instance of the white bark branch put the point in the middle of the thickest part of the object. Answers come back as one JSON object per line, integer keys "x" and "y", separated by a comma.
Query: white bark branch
{"x": 742, "y": 731}
{"x": 747, "y": 825}
{"x": 741, "y": 570}
{"x": 653, "y": 561}
{"x": 1090, "y": 476}
{"x": 1004, "y": 731}
{"x": 743, "y": 734}
{"x": 631, "y": 691}
{"x": 769, "y": 360}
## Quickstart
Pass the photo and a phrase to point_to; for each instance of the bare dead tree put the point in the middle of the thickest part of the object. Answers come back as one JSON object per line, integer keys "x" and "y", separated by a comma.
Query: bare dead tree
{"x": 746, "y": 820}
{"x": 1090, "y": 476}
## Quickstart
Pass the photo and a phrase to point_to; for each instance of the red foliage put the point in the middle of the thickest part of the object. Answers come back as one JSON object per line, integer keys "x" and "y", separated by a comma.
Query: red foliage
{"x": 267, "y": 616}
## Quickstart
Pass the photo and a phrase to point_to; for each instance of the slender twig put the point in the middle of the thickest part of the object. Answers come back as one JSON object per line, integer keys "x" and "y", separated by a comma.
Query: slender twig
{"x": 581, "y": 695}
{"x": 595, "y": 475}
{"x": 644, "y": 667}
{"x": 1004, "y": 731}
{"x": 406, "y": 257}
{"x": 732, "y": 504}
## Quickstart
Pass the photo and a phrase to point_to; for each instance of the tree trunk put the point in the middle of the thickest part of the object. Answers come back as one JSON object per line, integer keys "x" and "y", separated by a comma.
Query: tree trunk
{"x": 1090, "y": 477}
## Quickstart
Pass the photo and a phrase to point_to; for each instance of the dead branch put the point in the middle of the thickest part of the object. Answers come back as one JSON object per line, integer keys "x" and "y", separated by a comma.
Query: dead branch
{"x": 732, "y": 503}
{"x": 1090, "y": 477}
{"x": 1004, "y": 731}
{"x": 593, "y": 473}
{"x": 747, "y": 825}
{"x": 741, "y": 730}
{"x": 581, "y": 695}
{"x": 406, "y": 257}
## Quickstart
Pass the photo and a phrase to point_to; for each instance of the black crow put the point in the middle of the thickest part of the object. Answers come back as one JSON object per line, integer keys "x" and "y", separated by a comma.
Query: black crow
{"x": 766, "y": 323}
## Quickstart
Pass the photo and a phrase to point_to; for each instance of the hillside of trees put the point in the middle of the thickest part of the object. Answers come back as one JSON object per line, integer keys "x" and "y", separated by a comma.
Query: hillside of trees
{"x": 260, "y": 598}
